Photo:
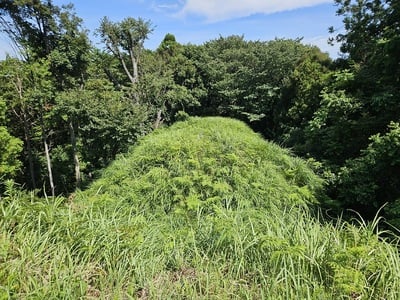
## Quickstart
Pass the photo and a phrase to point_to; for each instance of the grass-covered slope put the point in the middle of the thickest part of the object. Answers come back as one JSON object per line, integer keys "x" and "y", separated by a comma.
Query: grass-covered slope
{"x": 205, "y": 209}
{"x": 208, "y": 163}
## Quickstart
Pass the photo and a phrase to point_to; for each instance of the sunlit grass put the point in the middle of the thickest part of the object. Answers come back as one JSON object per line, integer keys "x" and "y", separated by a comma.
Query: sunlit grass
{"x": 231, "y": 254}
{"x": 239, "y": 254}
{"x": 105, "y": 243}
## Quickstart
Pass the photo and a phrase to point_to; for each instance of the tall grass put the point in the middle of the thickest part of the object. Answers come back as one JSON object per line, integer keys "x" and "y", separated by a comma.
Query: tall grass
{"x": 109, "y": 253}
{"x": 105, "y": 244}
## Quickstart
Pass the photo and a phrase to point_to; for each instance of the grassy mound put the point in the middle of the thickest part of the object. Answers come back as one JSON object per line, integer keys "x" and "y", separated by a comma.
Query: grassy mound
{"x": 203, "y": 210}
{"x": 208, "y": 163}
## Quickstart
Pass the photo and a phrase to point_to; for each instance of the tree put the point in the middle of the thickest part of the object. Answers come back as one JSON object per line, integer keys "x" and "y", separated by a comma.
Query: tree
{"x": 369, "y": 26}
{"x": 354, "y": 128}
{"x": 301, "y": 97}
{"x": 372, "y": 179}
{"x": 168, "y": 83}
{"x": 41, "y": 93}
{"x": 28, "y": 91}
{"x": 70, "y": 57}
{"x": 41, "y": 30}
{"x": 246, "y": 79}
{"x": 371, "y": 41}
{"x": 10, "y": 148}
{"x": 100, "y": 122}
{"x": 13, "y": 80}
{"x": 125, "y": 41}
{"x": 56, "y": 49}
{"x": 31, "y": 25}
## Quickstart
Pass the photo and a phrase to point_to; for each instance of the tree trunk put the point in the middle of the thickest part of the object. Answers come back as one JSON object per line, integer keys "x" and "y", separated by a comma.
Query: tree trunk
{"x": 158, "y": 121}
{"x": 75, "y": 155}
{"x": 47, "y": 154}
{"x": 134, "y": 61}
{"x": 130, "y": 76}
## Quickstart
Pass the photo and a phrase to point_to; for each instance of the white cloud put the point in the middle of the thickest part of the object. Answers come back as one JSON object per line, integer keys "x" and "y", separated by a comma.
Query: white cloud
{"x": 219, "y": 10}
{"x": 167, "y": 5}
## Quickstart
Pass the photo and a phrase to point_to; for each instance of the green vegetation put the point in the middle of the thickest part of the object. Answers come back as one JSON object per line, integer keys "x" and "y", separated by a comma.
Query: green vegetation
{"x": 103, "y": 194}
{"x": 10, "y": 147}
{"x": 207, "y": 164}
{"x": 162, "y": 222}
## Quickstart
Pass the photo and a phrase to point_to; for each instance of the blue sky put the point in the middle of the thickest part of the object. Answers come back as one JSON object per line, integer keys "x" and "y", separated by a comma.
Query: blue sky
{"x": 197, "y": 21}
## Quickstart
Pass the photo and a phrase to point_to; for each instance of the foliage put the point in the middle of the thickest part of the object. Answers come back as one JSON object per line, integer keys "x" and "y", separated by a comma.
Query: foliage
{"x": 245, "y": 79}
{"x": 333, "y": 121}
{"x": 164, "y": 85}
{"x": 370, "y": 105}
{"x": 31, "y": 25}
{"x": 41, "y": 30}
{"x": 308, "y": 79}
{"x": 10, "y": 148}
{"x": 28, "y": 90}
{"x": 370, "y": 40}
{"x": 371, "y": 180}
{"x": 371, "y": 28}
{"x": 300, "y": 99}
{"x": 55, "y": 49}
{"x": 102, "y": 121}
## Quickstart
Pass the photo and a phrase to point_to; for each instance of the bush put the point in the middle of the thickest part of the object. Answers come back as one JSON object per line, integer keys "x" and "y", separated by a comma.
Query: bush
{"x": 372, "y": 180}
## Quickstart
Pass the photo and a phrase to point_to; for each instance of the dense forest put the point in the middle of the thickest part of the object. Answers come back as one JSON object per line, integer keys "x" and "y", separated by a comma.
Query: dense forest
{"x": 73, "y": 116}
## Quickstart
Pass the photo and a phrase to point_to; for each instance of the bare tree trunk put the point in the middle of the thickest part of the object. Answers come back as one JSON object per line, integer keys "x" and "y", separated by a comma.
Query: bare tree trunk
{"x": 130, "y": 76}
{"x": 47, "y": 153}
{"x": 134, "y": 62}
{"x": 75, "y": 155}
{"x": 158, "y": 121}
